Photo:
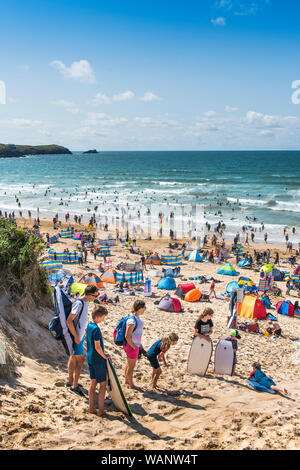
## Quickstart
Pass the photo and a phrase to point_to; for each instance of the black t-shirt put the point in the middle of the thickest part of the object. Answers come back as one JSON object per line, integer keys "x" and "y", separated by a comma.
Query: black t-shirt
{"x": 203, "y": 327}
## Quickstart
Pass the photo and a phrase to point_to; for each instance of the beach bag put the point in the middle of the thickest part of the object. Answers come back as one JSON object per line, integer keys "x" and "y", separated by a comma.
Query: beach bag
{"x": 55, "y": 327}
{"x": 120, "y": 330}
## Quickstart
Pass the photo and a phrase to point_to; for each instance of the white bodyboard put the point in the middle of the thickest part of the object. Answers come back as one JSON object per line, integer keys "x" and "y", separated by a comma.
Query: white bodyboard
{"x": 224, "y": 358}
{"x": 115, "y": 390}
{"x": 199, "y": 357}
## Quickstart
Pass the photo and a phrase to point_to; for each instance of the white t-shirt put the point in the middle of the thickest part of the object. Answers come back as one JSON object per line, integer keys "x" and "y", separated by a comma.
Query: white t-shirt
{"x": 76, "y": 308}
{"x": 136, "y": 336}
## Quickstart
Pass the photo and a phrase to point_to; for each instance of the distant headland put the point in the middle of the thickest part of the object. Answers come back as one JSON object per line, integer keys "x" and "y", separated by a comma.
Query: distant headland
{"x": 91, "y": 151}
{"x": 11, "y": 150}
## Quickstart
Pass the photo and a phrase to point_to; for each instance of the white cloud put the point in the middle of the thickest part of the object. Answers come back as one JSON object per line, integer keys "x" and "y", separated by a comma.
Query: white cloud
{"x": 267, "y": 133}
{"x": 219, "y": 21}
{"x": 104, "y": 120}
{"x": 271, "y": 121}
{"x": 210, "y": 113}
{"x": 149, "y": 96}
{"x": 100, "y": 98}
{"x": 127, "y": 95}
{"x": 80, "y": 70}
{"x": 160, "y": 122}
{"x": 21, "y": 123}
{"x": 69, "y": 106}
{"x": 230, "y": 109}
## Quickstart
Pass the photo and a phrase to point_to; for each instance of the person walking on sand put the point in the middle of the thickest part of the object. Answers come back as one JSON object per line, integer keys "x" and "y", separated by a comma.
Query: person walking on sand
{"x": 212, "y": 288}
{"x": 261, "y": 378}
{"x": 76, "y": 324}
{"x": 204, "y": 325}
{"x": 157, "y": 352}
{"x": 96, "y": 359}
{"x": 133, "y": 340}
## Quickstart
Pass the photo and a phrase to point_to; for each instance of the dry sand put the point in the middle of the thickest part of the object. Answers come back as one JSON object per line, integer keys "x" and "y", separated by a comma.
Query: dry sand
{"x": 190, "y": 412}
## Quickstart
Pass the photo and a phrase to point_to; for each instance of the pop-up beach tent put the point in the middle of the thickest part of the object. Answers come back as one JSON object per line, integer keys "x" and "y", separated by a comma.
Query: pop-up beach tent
{"x": 194, "y": 256}
{"x": 227, "y": 270}
{"x": 251, "y": 308}
{"x": 167, "y": 283}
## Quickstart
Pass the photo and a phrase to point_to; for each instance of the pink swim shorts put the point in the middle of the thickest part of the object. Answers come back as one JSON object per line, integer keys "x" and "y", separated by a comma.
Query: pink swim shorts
{"x": 130, "y": 352}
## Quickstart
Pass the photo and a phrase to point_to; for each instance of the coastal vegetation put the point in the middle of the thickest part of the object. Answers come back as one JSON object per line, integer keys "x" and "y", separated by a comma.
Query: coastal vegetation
{"x": 11, "y": 150}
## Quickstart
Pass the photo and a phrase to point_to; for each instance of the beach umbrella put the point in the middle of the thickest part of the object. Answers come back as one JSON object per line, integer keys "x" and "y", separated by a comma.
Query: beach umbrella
{"x": 232, "y": 286}
{"x": 227, "y": 270}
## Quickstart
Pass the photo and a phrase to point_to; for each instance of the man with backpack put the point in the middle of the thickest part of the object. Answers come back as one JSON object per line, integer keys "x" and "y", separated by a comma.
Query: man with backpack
{"x": 76, "y": 323}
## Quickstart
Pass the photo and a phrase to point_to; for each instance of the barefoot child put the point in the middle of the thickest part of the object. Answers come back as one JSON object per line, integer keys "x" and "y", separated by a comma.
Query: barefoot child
{"x": 262, "y": 379}
{"x": 133, "y": 337}
{"x": 157, "y": 352}
{"x": 96, "y": 360}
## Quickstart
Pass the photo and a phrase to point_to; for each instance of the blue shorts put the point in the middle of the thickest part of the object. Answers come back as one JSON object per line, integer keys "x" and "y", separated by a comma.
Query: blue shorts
{"x": 78, "y": 348}
{"x": 154, "y": 362}
{"x": 98, "y": 372}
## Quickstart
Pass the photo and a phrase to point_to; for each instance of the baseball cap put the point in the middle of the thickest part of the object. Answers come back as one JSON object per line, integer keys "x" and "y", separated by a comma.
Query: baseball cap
{"x": 234, "y": 333}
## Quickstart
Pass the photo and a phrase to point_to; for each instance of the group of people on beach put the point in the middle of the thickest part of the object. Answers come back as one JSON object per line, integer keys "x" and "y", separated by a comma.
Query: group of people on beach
{"x": 133, "y": 326}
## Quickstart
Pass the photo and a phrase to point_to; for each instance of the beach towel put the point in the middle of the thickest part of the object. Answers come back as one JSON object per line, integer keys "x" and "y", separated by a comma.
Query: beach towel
{"x": 258, "y": 387}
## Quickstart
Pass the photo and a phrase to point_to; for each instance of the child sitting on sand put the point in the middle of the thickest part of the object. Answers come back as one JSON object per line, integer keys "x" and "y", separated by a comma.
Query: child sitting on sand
{"x": 262, "y": 379}
{"x": 157, "y": 352}
{"x": 96, "y": 359}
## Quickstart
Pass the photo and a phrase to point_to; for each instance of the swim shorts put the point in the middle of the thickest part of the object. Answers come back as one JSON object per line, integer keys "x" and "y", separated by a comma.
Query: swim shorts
{"x": 78, "y": 348}
{"x": 154, "y": 362}
{"x": 98, "y": 372}
{"x": 130, "y": 352}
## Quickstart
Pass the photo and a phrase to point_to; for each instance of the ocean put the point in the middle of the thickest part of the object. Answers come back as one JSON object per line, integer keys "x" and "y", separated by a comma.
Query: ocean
{"x": 235, "y": 187}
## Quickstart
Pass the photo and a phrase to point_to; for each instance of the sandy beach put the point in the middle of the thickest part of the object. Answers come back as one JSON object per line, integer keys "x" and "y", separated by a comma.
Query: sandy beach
{"x": 188, "y": 412}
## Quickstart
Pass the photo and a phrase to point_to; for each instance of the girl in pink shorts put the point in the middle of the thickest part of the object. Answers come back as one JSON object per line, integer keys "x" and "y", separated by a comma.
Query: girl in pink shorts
{"x": 133, "y": 337}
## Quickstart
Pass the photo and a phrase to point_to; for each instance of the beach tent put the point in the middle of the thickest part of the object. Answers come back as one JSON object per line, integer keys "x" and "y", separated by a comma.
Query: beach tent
{"x": 91, "y": 279}
{"x": 244, "y": 263}
{"x": 232, "y": 286}
{"x": 171, "y": 260}
{"x": 285, "y": 307}
{"x": 192, "y": 295}
{"x": 247, "y": 285}
{"x": 77, "y": 236}
{"x": 172, "y": 272}
{"x": 227, "y": 270}
{"x": 133, "y": 277}
{"x": 167, "y": 283}
{"x": 277, "y": 274}
{"x": 78, "y": 287}
{"x": 169, "y": 304}
{"x": 187, "y": 287}
{"x": 266, "y": 268}
{"x": 251, "y": 308}
{"x": 153, "y": 259}
{"x": 194, "y": 256}
{"x": 109, "y": 276}
{"x": 66, "y": 234}
{"x": 62, "y": 276}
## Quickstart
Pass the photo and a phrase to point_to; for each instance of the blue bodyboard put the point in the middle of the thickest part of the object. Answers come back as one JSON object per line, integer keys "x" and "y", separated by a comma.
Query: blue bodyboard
{"x": 258, "y": 387}
{"x": 271, "y": 317}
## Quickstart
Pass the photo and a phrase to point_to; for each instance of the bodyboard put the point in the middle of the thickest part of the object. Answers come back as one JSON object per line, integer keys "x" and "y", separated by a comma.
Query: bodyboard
{"x": 199, "y": 356}
{"x": 115, "y": 390}
{"x": 259, "y": 388}
{"x": 224, "y": 357}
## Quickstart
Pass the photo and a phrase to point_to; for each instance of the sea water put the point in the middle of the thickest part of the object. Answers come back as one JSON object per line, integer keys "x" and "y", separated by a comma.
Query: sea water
{"x": 231, "y": 186}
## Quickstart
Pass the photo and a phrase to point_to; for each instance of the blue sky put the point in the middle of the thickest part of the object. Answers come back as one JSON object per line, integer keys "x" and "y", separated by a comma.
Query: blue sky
{"x": 210, "y": 74}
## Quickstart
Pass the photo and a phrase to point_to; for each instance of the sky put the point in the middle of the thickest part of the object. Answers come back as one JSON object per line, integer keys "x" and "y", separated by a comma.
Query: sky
{"x": 151, "y": 75}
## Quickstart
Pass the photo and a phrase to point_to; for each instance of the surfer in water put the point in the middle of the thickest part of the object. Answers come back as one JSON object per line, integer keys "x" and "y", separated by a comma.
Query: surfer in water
{"x": 157, "y": 352}
{"x": 204, "y": 325}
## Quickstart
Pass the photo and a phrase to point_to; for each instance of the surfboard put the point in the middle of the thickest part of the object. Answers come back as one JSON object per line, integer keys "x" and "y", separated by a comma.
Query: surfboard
{"x": 115, "y": 390}
{"x": 199, "y": 356}
{"x": 224, "y": 358}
